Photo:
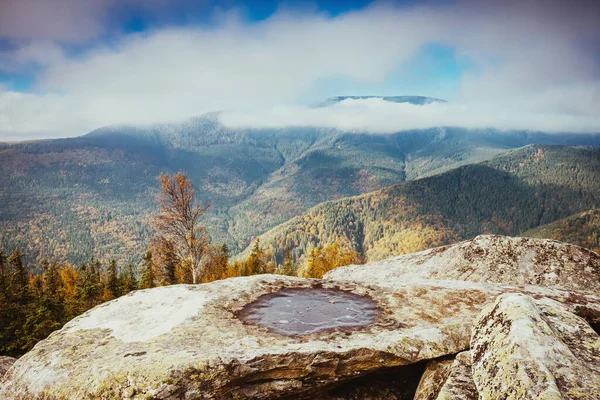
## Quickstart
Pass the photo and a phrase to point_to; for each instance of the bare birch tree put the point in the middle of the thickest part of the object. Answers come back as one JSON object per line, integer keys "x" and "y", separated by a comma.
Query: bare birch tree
{"x": 179, "y": 221}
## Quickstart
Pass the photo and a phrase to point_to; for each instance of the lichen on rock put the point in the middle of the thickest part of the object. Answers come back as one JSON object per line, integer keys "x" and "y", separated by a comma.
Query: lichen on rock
{"x": 5, "y": 363}
{"x": 488, "y": 259}
{"x": 534, "y": 349}
{"x": 448, "y": 379}
{"x": 527, "y": 336}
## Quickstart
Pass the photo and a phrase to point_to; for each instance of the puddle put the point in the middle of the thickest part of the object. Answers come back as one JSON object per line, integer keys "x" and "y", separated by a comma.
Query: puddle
{"x": 305, "y": 311}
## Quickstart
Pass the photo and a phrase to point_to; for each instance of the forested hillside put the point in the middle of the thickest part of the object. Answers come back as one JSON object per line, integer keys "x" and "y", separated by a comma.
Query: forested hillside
{"x": 71, "y": 199}
{"x": 582, "y": 229}
{"x": 508, "y": 195}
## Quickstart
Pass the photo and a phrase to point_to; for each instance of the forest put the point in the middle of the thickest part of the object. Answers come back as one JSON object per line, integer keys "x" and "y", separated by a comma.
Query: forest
{"x": 37, "y": 299}
{"x": 508, "y": 195}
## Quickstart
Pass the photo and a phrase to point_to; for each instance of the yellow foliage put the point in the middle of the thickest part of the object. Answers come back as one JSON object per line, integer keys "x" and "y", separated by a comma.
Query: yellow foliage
{"x": 320, "y": 261}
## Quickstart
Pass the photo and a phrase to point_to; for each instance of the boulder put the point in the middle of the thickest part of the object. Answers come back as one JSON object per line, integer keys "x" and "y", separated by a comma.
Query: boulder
{"x": 238, "y": 338}
{"x": 448, "y": 379}
{"x": 534, "y": 349}
{"x": 491, "y": 259}
{"x": 434, "y": 377}
{"x": 189, "y": 341}
{"x": 5, "y": 363}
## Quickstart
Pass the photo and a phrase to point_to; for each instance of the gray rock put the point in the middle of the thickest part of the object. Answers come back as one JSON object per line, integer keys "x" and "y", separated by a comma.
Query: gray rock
{"x": 488, "y": 259}
{"x": 448, "y": 380}
{"x": 534, "y": 349}
{"x": 5, "y": 363}
{"x": 187, "y": 341}
{"x": 218, "y": 340}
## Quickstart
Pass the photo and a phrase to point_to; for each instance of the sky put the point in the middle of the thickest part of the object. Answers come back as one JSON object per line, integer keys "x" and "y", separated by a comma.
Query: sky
{"x": 70, "y": 66}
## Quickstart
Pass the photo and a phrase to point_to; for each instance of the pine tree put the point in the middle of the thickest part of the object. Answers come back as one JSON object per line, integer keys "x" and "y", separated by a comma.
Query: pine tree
{"x": 256, "y": 263}
{"x": 18, "y": 298}
{"x": 112, "y": 287}
{"x": 147, "y": 280}
{"x": 4, "y": 273}
{"x": 89, "y": 287}
{"x": 129, "y": 280}
{"x": 19, "y": 285}
{"x": 288, "y": 264}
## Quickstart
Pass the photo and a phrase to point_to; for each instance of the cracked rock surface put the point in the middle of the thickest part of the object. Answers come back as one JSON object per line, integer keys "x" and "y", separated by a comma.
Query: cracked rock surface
{"x": 5, "y": 363}
{"x": 526, "y": 349}
{"x": 448, "y": 379}
{"x": 489, "y": 259}
{"x": 241, "y": 338}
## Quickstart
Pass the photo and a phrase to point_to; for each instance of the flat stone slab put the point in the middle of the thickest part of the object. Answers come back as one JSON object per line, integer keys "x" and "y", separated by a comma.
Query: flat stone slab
{"x": 188, "y": 341}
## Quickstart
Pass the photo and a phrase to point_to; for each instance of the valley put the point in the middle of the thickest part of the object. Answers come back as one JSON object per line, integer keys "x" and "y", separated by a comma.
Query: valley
{"x": 71, "y": 199}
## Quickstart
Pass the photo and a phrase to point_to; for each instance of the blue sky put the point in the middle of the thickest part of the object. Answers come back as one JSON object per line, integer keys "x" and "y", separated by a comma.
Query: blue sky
{"x": 70, "y": 66}
{"x": 434, "y": 71}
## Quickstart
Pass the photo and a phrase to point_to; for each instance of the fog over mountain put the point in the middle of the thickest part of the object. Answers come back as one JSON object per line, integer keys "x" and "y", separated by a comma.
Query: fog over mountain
{"x": 513, "y": 65}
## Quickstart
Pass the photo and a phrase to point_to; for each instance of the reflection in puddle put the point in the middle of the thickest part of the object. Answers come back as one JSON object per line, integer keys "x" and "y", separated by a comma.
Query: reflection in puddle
{"x": 305, "y": 311}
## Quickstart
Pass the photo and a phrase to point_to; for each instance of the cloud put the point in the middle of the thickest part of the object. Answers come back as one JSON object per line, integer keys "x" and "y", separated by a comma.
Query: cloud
{"x": 534, "y": 63}
{"x": 67, "y": 20}
{"x": 77, "y": 21}
{"x": 379, "y": 116}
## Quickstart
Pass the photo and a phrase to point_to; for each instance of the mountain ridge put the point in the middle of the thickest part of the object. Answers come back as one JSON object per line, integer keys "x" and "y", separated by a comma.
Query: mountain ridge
{"x": 92, "y": 195}
{"x": 508, "y": 194}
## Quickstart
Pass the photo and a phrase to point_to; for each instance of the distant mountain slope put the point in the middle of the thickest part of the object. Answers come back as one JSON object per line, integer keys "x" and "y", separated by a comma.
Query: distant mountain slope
{"x": 509, "y": 194}
{"x": 582, "y": 229}
{"x": 92, "y": 195}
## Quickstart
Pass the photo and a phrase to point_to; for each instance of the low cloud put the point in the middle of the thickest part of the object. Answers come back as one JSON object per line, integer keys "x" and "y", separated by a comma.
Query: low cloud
{"x": 379, "y": 116}
{"x": 534, "y": 65}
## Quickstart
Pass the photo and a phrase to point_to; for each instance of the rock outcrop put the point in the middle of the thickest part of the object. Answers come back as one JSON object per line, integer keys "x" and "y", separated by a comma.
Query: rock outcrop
{"x": 491, "y": 259}
{"x": 348, "y": 336}
{"x": 5, "y": 364}
{"x": 448, "y": 379}
{"x": 527, "y": 349}
{"x": 187, "y": 340}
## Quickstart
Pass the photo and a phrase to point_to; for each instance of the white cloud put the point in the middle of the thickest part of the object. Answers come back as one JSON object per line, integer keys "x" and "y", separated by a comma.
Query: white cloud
{"x": 379, "y": 116}
{"x": 532, "y": 67}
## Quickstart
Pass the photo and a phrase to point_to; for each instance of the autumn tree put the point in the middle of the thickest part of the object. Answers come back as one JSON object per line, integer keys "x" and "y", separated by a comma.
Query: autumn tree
{"x": 256, "y": 263}
{"x": 320, "y": 261}
{"x": 179, "y": 221}
{"x": 217, "y": 264}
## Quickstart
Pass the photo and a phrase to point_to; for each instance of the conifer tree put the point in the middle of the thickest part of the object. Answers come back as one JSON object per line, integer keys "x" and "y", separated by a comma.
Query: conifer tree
{"x": 89, "y": 286}
{"x": 19, "y": 284}
{"x": 147, "y": 280}
{"x": 4, "y": 273}
{"x": 112, "y": 287}
{"x": 129, "y": 279}
{"x": 256, "y": 263}
{"x": 288, "y": 264}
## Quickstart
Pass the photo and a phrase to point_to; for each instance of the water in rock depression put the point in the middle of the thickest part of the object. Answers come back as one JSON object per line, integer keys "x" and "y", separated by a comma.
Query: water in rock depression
{"x": 310, "y": 310}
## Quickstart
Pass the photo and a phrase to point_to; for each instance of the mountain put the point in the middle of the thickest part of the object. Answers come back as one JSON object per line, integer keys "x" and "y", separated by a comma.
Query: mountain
{"x": 509, "y": 194}
{"x": 582, "y": 229}
{"x": 416, "y": 100}
{"x": 70, "y": 199}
